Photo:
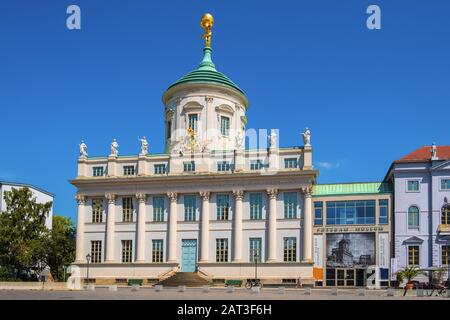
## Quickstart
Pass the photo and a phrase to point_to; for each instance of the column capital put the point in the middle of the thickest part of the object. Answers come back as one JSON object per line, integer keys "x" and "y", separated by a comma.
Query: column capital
{"x": 205, "y": 195}
{"x": 272, "y": 193}
{"x": 81, "y": 199}
{"x": 111, "y": 197}
{"x": 238, "y": 194}
{"x": 173, "y": 196}
{"x": 141, "y": 197}
{"x": 307, "y": 191}
{"x": 209, "y": 99}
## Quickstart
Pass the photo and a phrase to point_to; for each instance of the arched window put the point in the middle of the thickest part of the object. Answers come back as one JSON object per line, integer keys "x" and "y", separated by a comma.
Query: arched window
{"x": 413, "y": 217}
{"x": 445, "y": 216}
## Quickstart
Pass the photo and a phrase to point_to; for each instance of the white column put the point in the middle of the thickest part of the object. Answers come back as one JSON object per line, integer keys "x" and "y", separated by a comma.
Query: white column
{"x": 238, "y": 195}
{"x": 140, "y": 228}
{"x": 307, "y": 226}
{"x": 80, "y": 256}
{"x": 272, "y": 193}
{"x": 172, "y": 257}
{"x": 110, "y": 227}
{"x": 204, "y": 227}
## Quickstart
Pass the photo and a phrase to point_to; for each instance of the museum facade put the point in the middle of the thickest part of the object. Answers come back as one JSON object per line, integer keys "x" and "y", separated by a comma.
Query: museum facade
{"x": 209, "y": 204}
{"x": 352, "y": 234}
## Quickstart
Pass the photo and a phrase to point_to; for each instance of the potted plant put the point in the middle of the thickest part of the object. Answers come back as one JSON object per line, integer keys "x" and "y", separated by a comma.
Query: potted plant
{"x": 408, "y": 273}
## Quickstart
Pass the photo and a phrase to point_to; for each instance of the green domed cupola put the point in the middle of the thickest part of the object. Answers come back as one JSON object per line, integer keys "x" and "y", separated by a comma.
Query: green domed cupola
{"x": 206, "y": 72}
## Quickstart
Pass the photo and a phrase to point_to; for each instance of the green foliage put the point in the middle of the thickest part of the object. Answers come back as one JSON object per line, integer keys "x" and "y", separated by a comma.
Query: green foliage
{"x": 23, "y": 234}
{"x": 4, "y": 276}
{"x": 61, "y": 246}
{"x": 409, "y": 273}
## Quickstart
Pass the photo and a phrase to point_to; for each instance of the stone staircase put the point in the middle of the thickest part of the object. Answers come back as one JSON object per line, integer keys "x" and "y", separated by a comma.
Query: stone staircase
{"x": 188, "y": 279}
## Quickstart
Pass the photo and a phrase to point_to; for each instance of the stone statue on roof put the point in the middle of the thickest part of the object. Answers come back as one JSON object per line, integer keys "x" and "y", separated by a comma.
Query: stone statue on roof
{"x": 114, "y": 148}
{"x": 307, "y": 137}
{"x": 83, "y": 149}
{"x": 144, "y": 146}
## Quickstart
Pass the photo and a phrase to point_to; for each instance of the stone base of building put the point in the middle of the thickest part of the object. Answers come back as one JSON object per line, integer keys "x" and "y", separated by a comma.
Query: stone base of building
{"x": 150, "y": 273}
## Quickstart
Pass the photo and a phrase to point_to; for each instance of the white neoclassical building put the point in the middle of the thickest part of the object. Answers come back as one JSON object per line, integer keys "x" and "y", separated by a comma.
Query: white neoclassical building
{"x": 209, "y": 204}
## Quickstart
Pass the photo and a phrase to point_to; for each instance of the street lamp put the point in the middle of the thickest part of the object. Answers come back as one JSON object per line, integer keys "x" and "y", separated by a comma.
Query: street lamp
{"x": 256, "y": 266}
{"x": 88, "y": 259}
{"x": 448, "y": 270}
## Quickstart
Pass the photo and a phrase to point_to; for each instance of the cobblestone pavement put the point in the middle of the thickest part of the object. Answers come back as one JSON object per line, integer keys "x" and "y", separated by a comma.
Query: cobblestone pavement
{"x": 102, "y": 293}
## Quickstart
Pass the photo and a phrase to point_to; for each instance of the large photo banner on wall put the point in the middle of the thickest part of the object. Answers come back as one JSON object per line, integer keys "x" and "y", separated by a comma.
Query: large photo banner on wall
{"x": 349, "y": 250}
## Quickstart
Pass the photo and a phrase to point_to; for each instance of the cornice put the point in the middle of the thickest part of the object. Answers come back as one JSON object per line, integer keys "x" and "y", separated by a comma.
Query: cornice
{"x": 281, "y": 176}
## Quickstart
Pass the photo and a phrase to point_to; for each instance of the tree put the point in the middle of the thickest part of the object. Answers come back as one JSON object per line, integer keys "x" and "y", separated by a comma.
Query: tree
{"x": 61, "y": 246}
{"x": 23, "y": 234}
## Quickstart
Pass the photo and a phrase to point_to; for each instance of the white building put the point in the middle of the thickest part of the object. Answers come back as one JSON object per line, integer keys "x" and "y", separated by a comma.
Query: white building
{"x": 41, "y": 195}
{"x": 207, "y": 204}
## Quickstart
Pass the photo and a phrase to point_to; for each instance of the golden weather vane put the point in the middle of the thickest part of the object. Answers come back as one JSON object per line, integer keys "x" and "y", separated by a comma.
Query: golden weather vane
{"x": 206, "y": 23}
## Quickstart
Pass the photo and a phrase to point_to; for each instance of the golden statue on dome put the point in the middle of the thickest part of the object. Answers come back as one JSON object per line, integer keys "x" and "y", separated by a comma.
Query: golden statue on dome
{"x": 206, "y": 23}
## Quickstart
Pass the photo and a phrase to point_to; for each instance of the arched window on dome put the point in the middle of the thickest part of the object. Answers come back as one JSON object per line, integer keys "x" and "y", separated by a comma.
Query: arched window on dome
{"x": 413, "y": 217}
{"x": 445, "y": 214}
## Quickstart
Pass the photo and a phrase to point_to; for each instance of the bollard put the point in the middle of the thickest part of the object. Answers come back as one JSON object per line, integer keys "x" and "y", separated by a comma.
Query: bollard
{"x": 112, "y": 288}
{"x": 334, "y": 291}
{"x": 361, "y": 292}
{"x": 90, "y": 287}
{"x": 181, "y": 288}
{"x": 205, "y": 289}
{"x": 158, "y": 288}
{"x": 390, "y": 292}
{"x": 280, "y": 290}
{"x": 135, "y": 287}
{"x": 230, "y": 289}
{"x": 256, "y": 289}
{"x": 308, "y": 291}
{"x": 419, "y": 292}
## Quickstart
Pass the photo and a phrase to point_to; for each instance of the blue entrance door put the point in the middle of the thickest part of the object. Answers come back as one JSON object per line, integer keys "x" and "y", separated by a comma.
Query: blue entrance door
{"x": 188, "y": 255}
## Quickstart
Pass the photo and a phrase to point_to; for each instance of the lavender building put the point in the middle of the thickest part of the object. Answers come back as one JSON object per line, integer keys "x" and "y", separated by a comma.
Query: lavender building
{"x": 421, "y": 182}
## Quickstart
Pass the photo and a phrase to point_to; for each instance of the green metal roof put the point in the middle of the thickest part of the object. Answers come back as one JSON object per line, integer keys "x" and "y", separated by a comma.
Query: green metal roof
{"x": 206, "y": 72}
{"x": 351, "y": 188}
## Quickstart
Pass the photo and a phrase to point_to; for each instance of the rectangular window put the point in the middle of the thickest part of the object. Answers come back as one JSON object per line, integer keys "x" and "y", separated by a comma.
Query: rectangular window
{"x": 96, "y": 251}
{"x": 445, "y": 255}
{"x": 158, "y": 209}
{"x": 318, "y": 213}
{"x": 289, "y": 249}
{"x": 255, "y": 206}
{"x": 223, "y": 206}
{"x": 193, "y": 119}
{"x": 127, "y": 251}
{"x": 290, "y": 163}
{"x": 189, "y": 166}
{"x": 384, "y": 211}
{"x": 256, "y": 164}
{"x": 169, "y": 129}
{"x": 413, "y": 255}
{"x": 224, "y": 126}
{"x": 157, "y": 251}
{"x": 127, "y": 209}
{"x": 189, "y": 208}
{"x": 445, "y": 184}
{"x": 255, "y": 249}
{"x": 97, "y": 171}
{"x": 223, "y": 166}
{"x": 128, "y": 170}
{"x": 160, "y": 168}
{"x": 290, "y": 205}
{"x": 351, "y": 212}
{"x": 413, "y": 185}
{"x": 221, "y": 250}
{"x": 97, "y": 210}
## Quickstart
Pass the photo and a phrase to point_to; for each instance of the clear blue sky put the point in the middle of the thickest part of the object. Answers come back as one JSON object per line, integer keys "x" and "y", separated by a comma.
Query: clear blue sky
{"x": 369, "y": 97}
